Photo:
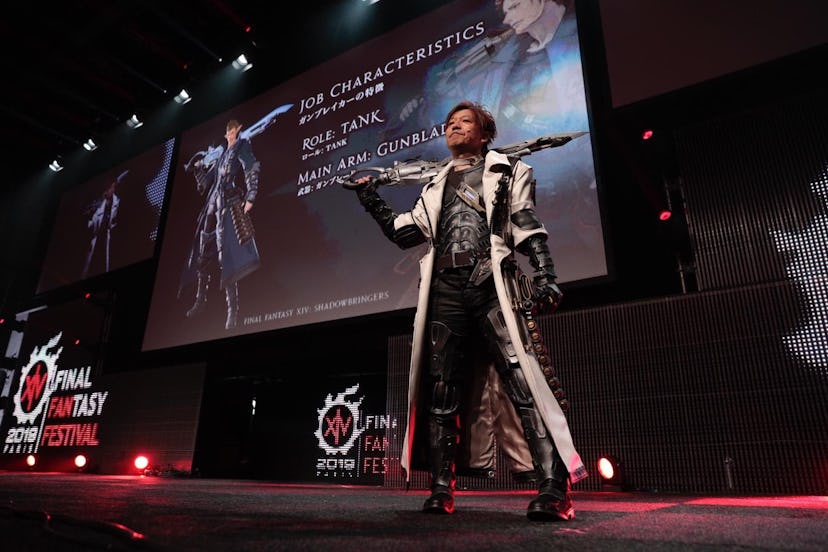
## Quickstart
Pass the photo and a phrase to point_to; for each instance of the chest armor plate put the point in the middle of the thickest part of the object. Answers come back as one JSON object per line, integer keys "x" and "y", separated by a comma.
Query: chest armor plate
{"x": 461, "y": 227}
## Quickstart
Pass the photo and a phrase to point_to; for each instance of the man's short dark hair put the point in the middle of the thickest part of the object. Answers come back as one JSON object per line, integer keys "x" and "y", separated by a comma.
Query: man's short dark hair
{"x": 482, "y": 115}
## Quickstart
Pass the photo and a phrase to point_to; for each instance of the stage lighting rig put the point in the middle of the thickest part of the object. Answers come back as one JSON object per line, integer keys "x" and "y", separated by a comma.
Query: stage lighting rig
{"x": 241, "y": 63}
{"x": 134, "y": 122}
{"x": 183, "y": 97}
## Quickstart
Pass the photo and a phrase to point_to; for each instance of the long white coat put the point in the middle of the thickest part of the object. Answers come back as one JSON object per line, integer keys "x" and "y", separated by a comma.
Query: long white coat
{"x": 425, "y": 215}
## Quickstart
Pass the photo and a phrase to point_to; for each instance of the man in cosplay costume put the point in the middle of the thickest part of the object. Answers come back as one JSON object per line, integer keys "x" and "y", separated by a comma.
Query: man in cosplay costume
{"x": 224, "y": 231}
{"x": 103, "y": 220}
{"x": 473, "y": 215}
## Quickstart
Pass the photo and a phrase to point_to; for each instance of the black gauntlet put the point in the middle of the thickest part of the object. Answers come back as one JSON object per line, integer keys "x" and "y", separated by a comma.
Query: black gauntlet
{"x": 405, "y": 237}
{"x": 547, "y": 293}
{"x": 377, "y": 207}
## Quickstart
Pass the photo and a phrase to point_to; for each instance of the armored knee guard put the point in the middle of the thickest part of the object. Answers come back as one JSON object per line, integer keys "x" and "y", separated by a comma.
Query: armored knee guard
{"x": 446, "y": 356}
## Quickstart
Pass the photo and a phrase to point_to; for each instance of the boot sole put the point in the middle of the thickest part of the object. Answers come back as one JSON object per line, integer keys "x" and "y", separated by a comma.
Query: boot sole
{"x": 439, "y": 505}
{"x": 546, "y": 515}
{"x": 438, "y": 511}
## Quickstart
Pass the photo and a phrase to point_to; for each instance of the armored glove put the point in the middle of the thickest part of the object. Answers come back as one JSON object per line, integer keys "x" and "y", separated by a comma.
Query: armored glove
{"x": 548, "y": 295}
{"x": 405, "y": 237}
{"x": 366, "y": 191}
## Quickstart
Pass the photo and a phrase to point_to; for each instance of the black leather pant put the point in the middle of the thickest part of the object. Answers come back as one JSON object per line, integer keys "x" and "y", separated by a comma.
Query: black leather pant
{"x": 461, "y": 316}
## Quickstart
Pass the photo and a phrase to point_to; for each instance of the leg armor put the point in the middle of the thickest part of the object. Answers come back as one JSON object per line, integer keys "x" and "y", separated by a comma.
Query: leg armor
{"x": 204, "y": 241}
{"x": 232, "y": 294}
{"x": 553, "y": 500}
{"x": 443, "y": 411}
{"x": 220, "y": 240}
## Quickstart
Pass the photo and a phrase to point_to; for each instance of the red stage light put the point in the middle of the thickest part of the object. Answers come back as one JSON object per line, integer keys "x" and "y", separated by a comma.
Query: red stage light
{"x": 664, "y": 214}
{"x": 87, "y": 295}
{"x": 141, "y": 462}
{"x": 609, "y": 468}
{"x": 606, "y": 469}
{"x": 80, "y": 461}
{"x": 647, "y": 134}
{"x": 248, "y": 28}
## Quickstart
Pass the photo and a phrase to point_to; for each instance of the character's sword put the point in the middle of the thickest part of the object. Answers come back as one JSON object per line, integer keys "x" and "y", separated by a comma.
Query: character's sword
{"x": 520, "y": 291}
{"x": 262, "y": 124}
{"x": 418, "y": 171}
{"x": 212, "y": 154}
{"x": 520, "y": 149}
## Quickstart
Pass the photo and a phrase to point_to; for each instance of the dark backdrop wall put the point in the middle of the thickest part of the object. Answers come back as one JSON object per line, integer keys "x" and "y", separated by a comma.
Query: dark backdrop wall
{"x": 655, "y": 47}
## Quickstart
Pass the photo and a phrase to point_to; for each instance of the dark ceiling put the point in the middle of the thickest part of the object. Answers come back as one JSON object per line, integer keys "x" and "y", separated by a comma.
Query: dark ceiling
{"x": 78, "y": 69}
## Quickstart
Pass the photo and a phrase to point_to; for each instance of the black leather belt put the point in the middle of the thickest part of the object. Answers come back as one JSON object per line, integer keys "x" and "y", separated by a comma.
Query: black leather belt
{"x": 459, "y": 259}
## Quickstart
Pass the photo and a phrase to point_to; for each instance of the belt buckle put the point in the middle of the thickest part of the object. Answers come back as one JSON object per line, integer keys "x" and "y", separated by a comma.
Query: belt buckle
{"x": 460, "y": 259}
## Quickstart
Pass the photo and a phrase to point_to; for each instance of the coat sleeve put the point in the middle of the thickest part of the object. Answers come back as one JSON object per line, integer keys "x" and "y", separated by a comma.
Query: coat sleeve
{"x": 522, "y": 198}
{"x": 425, "y": 208}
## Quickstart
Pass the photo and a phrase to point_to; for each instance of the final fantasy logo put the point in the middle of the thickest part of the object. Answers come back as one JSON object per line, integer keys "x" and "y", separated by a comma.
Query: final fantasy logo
{"x": 808, "y": 268}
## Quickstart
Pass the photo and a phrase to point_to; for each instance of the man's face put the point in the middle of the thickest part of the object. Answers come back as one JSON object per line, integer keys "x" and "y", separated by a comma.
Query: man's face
{"x": 519, "y": 14}
{"x": 463, "y": 134}
{"x": 231, "y": 134}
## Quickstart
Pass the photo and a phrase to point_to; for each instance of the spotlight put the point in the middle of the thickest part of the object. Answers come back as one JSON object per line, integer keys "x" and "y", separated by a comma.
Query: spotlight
{"x": 90, "y": 145}
{"x": 183, "y": 97}
{"x": 134, "y": 122}
{"x": 241, "y": 63}
{"x": 646, "y": 134}
{"x": 609, "y": 468}
{"x": 141, "y": 462}
{"x": 55, "y": 166}
{"x": 80, "y": 462}
{"x": 664, "y": 215}
{"x": 31, "y": 461}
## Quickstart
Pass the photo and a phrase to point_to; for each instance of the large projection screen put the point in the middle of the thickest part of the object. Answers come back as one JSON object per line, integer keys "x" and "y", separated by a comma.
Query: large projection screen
{"x": 108, "y": 222}
{"x": 322, "y": 258}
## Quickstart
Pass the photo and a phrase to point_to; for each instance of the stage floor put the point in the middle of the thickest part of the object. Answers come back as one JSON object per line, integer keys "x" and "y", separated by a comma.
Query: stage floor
{"x": 58, "y": 511}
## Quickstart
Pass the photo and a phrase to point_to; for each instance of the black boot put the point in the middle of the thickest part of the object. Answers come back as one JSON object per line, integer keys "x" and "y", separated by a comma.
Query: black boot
{"x": 553, "y": 503}
{"x": 554, "y": 500}
{"x": 440, "y": 501}
{"x": 443, "y": 436}
{"x": 201, "y": 295}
